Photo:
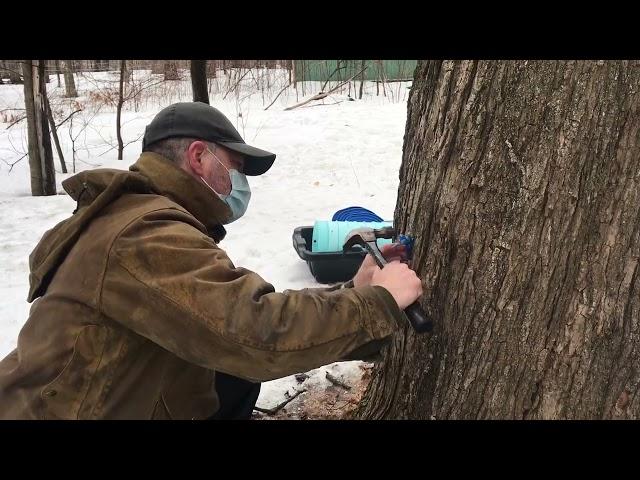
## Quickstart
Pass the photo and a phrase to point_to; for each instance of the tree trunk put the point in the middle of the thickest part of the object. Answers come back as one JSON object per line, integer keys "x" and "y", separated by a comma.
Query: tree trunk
{"x": 58, "y": 72}
{"x": 171, "y": 71}
{"x": 123, "y": 67}
{"x": 520, "y": 184}
{"x": 128, "y": 72}
{"x": 69, "y": 83}
{"x": 290, "y": 65}
{"x": 211, "y": 69}
{"x": 199, "y": 81}
{"x": 361, "y": 79}
{"x": 54, "y": 134}
{"x": 43, "y": 180}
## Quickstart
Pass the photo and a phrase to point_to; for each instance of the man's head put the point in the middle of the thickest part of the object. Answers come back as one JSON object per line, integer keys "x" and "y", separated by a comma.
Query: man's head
{"x": 202, "y": 141}
{"x": 199, "y": 121}
{"x": 202, "y": 160}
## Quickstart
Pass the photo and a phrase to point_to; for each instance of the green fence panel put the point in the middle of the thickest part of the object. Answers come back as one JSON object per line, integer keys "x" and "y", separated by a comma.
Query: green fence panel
{"x": 340, "y": 70}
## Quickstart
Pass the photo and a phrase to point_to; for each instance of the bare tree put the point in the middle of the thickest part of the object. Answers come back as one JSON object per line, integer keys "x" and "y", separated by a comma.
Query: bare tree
{"x": 43, "y": 180}
{"x": 519, "y": 182}
{"x": 123, "y": 66}
{"x": 290, "y": 65}
{"x": 171, "y": 70}
{"x": 58, "y": 72}
{"x": 128, "y": 71}
{"x": 54, "y": 134}
{"x": 69, "y": 82}
{"x": 211, "y": 68}
{"x": 363, "y": 66}
{"x": 199, "y": 81}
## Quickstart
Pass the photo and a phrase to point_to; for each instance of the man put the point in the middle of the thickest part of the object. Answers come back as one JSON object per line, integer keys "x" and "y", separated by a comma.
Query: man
{"x": 138, "y": 312}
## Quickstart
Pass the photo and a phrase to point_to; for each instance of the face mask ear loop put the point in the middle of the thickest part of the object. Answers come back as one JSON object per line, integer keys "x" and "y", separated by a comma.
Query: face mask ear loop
{"x": 220, "y": 162}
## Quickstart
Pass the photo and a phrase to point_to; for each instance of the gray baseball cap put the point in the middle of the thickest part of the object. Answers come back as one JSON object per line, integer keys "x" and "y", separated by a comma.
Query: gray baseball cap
{"x": 199, "y": 120}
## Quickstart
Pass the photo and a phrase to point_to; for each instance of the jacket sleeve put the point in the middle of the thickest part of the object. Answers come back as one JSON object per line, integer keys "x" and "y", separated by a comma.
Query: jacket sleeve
{"x": 169, "y": 282}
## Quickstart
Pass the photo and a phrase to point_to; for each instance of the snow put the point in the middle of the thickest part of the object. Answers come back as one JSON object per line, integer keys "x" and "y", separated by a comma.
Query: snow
{"x": 330, "y": 155}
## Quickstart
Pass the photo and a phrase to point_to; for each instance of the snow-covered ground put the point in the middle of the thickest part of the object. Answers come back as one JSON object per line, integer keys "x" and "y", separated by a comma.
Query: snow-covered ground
{"x": 330, "y": 155}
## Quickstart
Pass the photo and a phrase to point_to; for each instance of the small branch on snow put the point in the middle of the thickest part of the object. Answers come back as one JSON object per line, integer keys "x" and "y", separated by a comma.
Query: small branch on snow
{"x": 324, "y": 104}
{"x": 319, "y": 96}
{"x": 337, "y": 381}
{"x": 280, "y": 406}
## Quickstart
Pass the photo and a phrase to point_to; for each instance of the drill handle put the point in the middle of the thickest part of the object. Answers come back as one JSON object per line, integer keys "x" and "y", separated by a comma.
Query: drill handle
{"x": 418, "y": 318}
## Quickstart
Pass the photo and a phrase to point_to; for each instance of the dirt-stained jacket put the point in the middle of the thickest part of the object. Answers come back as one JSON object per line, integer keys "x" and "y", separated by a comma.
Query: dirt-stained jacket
{"x": 136, "y": 306}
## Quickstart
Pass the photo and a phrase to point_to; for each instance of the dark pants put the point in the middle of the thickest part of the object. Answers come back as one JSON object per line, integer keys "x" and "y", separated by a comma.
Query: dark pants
{"x": 237, "y": 397}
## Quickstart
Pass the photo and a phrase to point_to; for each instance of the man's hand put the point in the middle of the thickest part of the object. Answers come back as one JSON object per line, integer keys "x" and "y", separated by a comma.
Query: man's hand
{"x": 391, "y": 252}
{"x": 400, "y": 281}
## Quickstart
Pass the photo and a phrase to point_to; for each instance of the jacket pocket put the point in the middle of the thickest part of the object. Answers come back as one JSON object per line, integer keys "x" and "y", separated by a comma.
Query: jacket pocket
{"x": 63, "y": 397}
{"x": 190, "y": 393}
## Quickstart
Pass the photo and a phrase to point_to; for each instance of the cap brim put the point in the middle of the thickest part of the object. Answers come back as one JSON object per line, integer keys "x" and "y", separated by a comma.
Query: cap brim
{"x": 257, "y": 161}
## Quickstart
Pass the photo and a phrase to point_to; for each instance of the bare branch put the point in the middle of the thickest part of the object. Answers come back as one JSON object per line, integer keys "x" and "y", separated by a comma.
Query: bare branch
{"x": 16, "y": 121}
{"x": 274, "y": 100}
{"x": 113, "y": 147}
{"x": 10, "y": 109}
{"x": 280, "y": 406}
{"x": 236, "y": 84}
{"x": 11, "y": 165}
{"x": 338, "y": 68}
{"x": 322, "y": 95}
{"x": 71, "y": 115}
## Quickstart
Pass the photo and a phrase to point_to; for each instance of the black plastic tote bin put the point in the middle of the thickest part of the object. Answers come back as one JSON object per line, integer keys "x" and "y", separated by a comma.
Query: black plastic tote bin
{"x": 327, "y": 267}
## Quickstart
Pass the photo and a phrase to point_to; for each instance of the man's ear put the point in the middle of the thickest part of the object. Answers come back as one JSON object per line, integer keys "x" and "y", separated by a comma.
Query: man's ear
{"x": 194, "y": 157}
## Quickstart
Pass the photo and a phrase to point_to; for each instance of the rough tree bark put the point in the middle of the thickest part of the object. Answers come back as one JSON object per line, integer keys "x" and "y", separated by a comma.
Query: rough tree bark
{"x": 199, "y": 81}
{"x": 69, "y": 82}
{"x": 521, "y": 183}
{"x": 43, "y": 180}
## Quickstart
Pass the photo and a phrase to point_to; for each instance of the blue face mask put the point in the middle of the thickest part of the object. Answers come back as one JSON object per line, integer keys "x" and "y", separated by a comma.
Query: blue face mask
{"x": 238, "y": 198}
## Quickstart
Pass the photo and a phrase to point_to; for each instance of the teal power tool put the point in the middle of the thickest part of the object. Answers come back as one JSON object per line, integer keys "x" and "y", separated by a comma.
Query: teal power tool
{"x": 367, "y": 238}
